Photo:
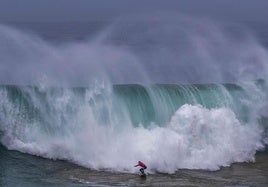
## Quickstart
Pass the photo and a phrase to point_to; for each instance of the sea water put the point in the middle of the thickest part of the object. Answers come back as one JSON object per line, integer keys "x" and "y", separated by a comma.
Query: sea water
{"x": 81, "y": 103}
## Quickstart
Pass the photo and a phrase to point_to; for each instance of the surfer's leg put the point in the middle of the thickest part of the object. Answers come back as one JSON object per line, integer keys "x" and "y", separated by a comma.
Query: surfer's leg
{"x": 142, "y": 170}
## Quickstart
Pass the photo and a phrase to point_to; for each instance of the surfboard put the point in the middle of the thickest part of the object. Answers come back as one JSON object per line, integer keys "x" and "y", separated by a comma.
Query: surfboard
{"x": 143, "y": 175}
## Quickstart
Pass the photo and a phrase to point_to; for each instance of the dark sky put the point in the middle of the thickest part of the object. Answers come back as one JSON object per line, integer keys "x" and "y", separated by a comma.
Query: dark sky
{"x": 88, "y": 10}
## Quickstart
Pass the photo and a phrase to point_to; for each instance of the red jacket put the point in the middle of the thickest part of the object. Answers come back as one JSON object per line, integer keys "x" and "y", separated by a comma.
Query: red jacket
{"x": 141, "y": 164}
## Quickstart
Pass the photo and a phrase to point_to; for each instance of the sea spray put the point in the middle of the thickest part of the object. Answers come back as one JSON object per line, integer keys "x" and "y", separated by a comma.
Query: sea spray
{"x": 26, "y": 59}
{"x": 174, "y": 48}
{"x": 97, "y": 127}
{"x": 170, "y": 49}
{"x": 93, "y": 103}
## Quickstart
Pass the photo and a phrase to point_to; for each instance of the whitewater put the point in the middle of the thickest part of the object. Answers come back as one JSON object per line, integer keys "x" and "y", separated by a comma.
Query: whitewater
{"x": 168, "y": 126}
{"x": 175, "y": 97}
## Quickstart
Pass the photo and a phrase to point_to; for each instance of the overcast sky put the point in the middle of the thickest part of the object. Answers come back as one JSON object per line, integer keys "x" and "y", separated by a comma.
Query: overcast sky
{"x": 90, "y": 10}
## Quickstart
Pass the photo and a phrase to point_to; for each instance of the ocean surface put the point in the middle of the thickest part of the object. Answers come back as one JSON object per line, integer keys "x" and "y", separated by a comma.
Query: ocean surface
{"x": 81, "y": 103}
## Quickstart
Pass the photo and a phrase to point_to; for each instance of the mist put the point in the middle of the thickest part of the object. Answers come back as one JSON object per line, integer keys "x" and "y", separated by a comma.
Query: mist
{"x": 161, "y": 48}
{"x": 101, "y": 123}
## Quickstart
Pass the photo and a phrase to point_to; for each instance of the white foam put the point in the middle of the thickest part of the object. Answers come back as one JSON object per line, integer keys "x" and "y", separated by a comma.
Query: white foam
{"x": 195, "y": 138}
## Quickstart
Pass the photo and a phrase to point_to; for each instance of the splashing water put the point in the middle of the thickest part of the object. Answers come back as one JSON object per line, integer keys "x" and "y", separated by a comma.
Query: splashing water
{"x": 107, "y": 129}
{"x": 74, "y": 108}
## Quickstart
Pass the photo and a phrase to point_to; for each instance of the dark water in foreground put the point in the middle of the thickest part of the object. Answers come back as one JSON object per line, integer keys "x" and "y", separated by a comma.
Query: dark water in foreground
{"x": 18, "y": 169}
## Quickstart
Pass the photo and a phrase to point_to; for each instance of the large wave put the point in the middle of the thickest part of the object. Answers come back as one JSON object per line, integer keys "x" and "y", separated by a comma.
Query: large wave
{"x": 81, "y": 103}
{"x": 168, "y": 126}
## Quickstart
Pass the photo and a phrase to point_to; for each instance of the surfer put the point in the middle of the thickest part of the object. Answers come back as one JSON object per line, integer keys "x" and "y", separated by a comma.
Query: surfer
{"x": 143, "y": 167}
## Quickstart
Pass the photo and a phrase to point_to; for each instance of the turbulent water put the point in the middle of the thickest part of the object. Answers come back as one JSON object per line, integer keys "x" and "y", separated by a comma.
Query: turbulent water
{"x": 188, "y": 94}
{"x": 168, "y": 126}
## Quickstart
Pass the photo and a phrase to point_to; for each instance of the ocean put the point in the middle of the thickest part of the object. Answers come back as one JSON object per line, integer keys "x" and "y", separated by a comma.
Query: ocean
{"x": 81, "y": 103}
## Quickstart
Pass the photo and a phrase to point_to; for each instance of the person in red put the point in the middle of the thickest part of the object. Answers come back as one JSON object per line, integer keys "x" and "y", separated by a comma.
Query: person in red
{"x": 142, "y": 165}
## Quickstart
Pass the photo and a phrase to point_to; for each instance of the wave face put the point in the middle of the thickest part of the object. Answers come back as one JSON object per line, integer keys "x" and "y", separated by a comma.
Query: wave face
{"x": 198, "y": 126}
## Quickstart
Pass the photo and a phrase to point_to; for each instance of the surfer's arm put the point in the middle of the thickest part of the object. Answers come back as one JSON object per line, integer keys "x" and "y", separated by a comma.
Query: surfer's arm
{"x": 136, "y": 165}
